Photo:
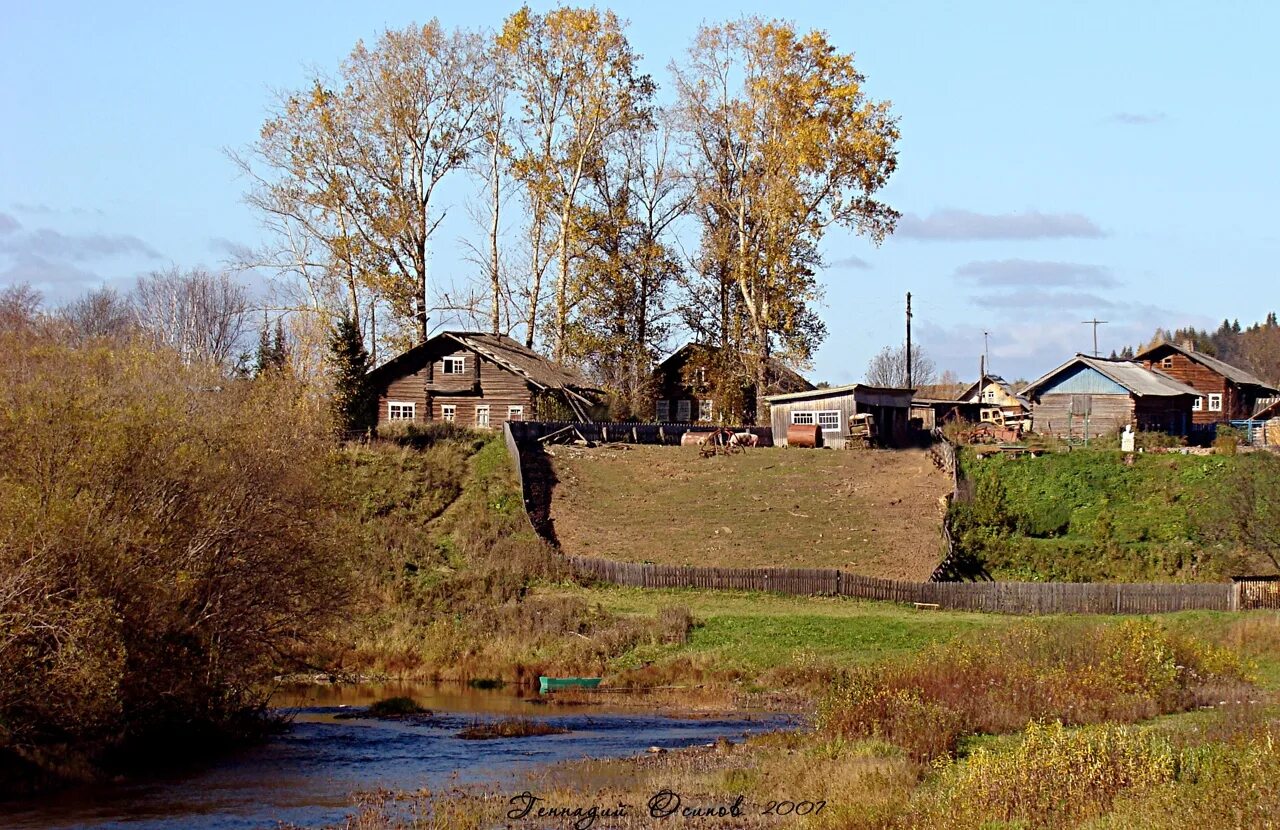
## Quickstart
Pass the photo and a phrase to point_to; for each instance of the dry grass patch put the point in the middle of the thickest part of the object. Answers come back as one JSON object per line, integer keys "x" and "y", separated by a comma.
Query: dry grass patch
{"x": 872, "y": 512}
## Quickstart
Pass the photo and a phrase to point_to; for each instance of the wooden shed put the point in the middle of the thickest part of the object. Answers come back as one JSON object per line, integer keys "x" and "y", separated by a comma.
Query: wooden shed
{"x": 478, "y": 380}
{"x": 1088, "y": 397}
{"x": 833, "y": 408}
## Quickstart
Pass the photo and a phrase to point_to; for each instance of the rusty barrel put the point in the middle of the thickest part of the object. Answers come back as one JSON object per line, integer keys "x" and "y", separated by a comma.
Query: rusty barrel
{"x": 804, "y": 435}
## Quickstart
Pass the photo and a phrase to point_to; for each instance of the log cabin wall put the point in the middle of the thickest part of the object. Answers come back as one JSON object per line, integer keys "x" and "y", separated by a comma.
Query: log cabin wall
{"x": 481, "y": 382}
{"x": 1204, "y": 380}
{"x": 1164, "y": 414}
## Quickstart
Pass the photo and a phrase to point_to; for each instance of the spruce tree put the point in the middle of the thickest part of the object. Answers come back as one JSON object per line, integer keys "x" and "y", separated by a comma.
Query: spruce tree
{"x": 353, "y": 402}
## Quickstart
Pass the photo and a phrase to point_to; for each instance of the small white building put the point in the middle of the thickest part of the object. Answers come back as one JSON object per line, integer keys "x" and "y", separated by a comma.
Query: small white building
{"x": 832, "y": 409}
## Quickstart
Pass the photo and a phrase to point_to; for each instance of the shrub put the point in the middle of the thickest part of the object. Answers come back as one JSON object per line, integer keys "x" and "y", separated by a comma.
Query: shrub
{"x": 1055, "y": 776}
{"x": 164, "y": 543}
{"x": 1072, "y": 672}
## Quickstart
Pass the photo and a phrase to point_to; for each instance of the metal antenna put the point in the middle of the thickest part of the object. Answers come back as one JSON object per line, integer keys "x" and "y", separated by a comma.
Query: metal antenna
{"x": 1095, "y": 323}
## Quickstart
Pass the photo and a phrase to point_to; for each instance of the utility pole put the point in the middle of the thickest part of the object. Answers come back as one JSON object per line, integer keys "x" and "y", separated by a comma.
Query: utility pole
{"x": 986, "y": 352}
{"x": 1095, "y": 322}
{"x": 908, "y": 339}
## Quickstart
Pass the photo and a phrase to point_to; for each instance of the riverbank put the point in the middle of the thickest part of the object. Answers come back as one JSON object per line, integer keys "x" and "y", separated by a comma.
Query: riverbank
{"x": 1125, "y": 724}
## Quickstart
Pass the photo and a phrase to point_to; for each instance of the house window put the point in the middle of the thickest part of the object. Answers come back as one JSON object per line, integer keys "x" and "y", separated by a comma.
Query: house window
{"x": 482, "y": 416}
{"x": 829, "y": 421}
{"x": 448, "y": 412}
{"x": 991, "y": 394}
{"x": 455, "y": 365}
{"x": 1215, "y": 403}
{"x": 802, "y": 418}
{"x": 1167, "y": 363}
{"x": 683, "y": 410}
{"x": 705, "y": 410}
{"x": 662, "y": 411}
{"x": 401, "y": 410}
{"x": 515, "y": 413}
{"x": 1197, "y": 405}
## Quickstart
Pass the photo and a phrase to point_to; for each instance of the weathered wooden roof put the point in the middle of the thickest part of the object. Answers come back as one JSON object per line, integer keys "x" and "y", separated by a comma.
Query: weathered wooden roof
{"x": 836, "y": 391}
{"x": 1134, "y": 378}
{"x": 1234, "y": 374}
{"x": 511, "y": 355}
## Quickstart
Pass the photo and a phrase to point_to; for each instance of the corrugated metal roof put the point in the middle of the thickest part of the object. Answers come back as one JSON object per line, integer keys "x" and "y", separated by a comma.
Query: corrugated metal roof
{"x": 1233, "y": 373}
{"x": 1135, "y": 377}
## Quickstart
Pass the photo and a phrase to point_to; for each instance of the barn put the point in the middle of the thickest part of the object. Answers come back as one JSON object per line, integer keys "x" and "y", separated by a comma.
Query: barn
{"x": 1088, "y": 397}
{"x": 478, "y": 380}
{"x": 833, "y": 408}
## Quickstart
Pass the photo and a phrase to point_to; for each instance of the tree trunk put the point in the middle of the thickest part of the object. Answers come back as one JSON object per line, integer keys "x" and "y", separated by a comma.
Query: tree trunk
{"x": 495, "y": 275}
{"x": 562, "y": 287}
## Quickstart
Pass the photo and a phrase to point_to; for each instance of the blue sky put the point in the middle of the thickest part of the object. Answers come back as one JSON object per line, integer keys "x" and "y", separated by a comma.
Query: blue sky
{"x": 1057, "y": 162}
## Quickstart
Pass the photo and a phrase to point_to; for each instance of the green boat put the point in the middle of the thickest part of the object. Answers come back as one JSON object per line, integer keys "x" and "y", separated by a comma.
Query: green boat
{"x": 550, "y": 684}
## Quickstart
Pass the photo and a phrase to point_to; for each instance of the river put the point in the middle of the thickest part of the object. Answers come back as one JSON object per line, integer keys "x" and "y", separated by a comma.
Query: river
{"x": 308, "y": 773}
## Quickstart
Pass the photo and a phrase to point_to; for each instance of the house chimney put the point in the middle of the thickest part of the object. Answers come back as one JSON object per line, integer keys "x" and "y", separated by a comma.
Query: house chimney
{"x": 1188, "y": 345}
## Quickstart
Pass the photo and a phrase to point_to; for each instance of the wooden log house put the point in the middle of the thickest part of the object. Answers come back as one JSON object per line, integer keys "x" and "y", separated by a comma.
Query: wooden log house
{"x": 1229, "y": 392}
{"x": 478, "y": 380}
{"x": 684, "y": 386}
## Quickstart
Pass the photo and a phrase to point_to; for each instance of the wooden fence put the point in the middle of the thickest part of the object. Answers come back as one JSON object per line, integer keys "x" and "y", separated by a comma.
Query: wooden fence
{"x": 1258, "y": 592}
{"x": 1000, "y": 597}
{"x": 627, "y": 433}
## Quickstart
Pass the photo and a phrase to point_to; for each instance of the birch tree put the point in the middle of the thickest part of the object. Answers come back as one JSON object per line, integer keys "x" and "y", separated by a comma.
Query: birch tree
{"x": 347, "y": 170}
{"x": 576, "y": 76}
{"x": 785, "y": 144}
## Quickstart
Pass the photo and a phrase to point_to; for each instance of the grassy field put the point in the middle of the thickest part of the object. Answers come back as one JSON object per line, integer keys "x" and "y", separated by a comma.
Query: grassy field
{"x": 1087, "y": 516}
{"x": 876, "y": 513}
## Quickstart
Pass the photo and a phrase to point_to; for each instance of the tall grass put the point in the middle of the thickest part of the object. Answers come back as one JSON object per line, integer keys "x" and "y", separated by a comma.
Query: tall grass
{"x": 1076, "y": 673}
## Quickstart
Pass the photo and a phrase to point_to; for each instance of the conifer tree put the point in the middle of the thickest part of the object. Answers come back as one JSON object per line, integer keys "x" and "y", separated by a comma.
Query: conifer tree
{"x": 352, "y": 402}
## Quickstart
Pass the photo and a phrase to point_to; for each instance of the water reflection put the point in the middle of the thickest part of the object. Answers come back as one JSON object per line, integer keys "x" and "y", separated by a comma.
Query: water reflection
{"x": 307, "y": 774}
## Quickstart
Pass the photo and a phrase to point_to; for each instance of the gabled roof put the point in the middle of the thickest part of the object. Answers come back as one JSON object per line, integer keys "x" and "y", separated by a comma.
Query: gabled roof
{"x": 1134, "y": 377}
{"x": 511, "y": 355}
{"x": 973, "y": 390}
{"x": 780, "y": 375}
{"x": 839, "y": 390}
{"x": 1234, "y": 374}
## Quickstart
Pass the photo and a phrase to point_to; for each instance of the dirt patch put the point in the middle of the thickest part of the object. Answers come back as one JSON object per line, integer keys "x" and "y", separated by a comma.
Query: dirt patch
{"x": 874, "y": 512}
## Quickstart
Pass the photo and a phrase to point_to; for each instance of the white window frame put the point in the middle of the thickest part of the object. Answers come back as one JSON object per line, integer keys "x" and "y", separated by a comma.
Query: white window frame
{"x": 838, "y": 420}
{"x": 1197, "y": 405}
{"x": 515, "y": 413}
{"x": 482, "y": 416}
{"x": 805, "y": 418}
{"x": 706, "y": 409}
{"x": 662, "y": 411}
{"x": 408, "y": 411}
{"x": 1166, "y": 362}
{"x": 684, "y": 410}
{"x": 449, "y": 412}
{"x": 460, "y": 364}
{"x": 1215, "y": 402}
